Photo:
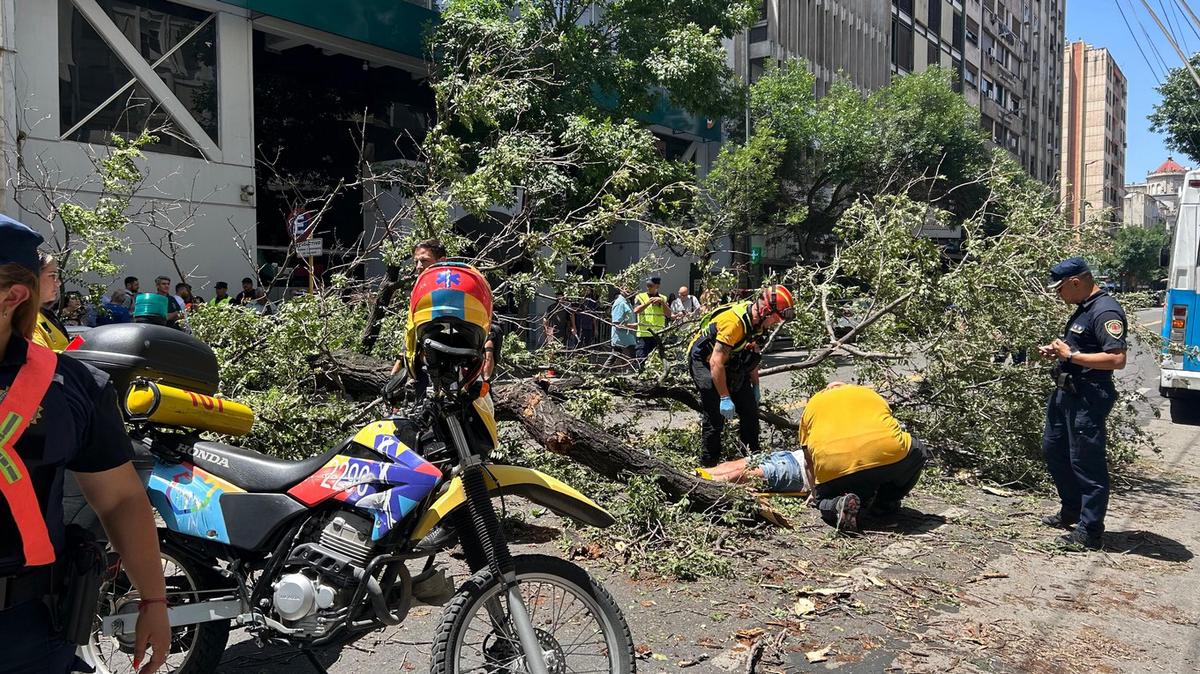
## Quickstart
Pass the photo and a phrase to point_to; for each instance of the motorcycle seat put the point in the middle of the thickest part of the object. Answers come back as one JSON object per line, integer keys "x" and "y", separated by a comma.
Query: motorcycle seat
{"x": 253, "y": 471}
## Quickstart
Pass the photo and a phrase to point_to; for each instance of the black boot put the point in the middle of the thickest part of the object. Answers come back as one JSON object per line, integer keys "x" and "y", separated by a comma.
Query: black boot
{"x": 1079, "y": 540}
{"x": 1057, "y": 521}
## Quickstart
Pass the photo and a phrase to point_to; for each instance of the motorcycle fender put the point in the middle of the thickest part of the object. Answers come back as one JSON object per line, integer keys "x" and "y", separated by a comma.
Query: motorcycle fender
{"x": 536, "y": 486}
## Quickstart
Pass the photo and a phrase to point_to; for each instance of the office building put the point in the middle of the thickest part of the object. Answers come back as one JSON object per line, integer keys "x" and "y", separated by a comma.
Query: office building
{"x": 1093, "y": 160}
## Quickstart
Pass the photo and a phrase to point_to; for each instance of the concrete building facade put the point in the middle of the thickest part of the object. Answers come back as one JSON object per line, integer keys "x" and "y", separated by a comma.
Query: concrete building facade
{"x": 838, "y": 38}
{"x": 1093, "y": 162}
{"x": 232, "y": 79}
{"x": 1155, "y": 201}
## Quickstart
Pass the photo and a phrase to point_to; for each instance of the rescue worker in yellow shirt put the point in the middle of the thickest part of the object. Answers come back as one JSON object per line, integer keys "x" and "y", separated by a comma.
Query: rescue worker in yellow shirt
{"x": 856, "y": 455}
{"x": 49, "y": 331}
{"x": 723, "y": 361}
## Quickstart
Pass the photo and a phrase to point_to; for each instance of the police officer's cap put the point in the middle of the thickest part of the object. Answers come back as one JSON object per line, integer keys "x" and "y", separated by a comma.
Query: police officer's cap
{"x": 1072, "y": 266}
{"x": 654, "y": 280}
{"x": 19, "y": 244}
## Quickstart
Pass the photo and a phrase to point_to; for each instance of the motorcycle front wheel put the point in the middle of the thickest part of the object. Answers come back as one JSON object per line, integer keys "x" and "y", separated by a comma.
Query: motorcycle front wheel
{"x": 578, "y": 624}
{"x": 195, "y": 649}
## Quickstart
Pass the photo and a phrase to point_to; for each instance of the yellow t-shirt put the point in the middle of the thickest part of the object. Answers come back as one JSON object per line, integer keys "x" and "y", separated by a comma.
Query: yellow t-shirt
{"x": 848, "y": 429}
{"x": 47, "y": 334}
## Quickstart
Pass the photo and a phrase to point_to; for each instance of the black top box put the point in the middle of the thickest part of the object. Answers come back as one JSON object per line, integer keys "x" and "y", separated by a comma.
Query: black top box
{"x": 130, "y": 351}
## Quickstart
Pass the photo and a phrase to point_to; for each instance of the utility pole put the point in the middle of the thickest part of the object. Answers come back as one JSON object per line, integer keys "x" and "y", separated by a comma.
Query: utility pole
{"x": 1186, "y": 62}
{"x": 1192, "y": 14}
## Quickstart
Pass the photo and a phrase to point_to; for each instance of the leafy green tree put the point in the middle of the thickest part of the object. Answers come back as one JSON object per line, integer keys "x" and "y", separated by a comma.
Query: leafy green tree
{"x": 1136, "y": 254}
{"x": 915, "y": 136}
{"x": 1177, "y": 113}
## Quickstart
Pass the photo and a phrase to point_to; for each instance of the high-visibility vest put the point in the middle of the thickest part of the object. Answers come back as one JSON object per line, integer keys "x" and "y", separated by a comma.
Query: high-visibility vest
{"x": 706, "y": 341}
{"x": 47, "y": 333}
{"x": 17, "y": 409}
{"x": 653, "y": 319}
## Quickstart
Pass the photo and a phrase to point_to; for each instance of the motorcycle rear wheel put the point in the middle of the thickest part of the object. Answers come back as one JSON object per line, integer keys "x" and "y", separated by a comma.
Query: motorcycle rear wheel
{"x": 195, "y": 649}
{"x": 578, "y": 623}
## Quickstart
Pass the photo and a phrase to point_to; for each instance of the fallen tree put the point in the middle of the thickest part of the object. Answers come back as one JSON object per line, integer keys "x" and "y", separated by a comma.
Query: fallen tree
{"x": 531, "y": 404}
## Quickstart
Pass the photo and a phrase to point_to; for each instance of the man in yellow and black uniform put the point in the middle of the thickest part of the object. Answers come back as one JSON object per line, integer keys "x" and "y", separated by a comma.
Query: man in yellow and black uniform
{"x": 723, "y": 359}
{"x": 856, "y": 454}
{"x": 58, "y": 414}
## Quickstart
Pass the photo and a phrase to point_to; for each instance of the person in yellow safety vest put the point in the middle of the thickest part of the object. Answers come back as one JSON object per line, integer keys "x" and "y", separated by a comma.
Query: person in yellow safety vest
{"x": 49, "y": 331}
{"x": 723, "y": 360}
{"x": 59, "y": 414}
{"x": 653, "y": 312}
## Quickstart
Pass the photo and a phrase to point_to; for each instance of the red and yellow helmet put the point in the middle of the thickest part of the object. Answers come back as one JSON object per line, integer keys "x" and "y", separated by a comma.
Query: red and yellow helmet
{"x": 450, "y": 295}
{"x": 778, "y": 300}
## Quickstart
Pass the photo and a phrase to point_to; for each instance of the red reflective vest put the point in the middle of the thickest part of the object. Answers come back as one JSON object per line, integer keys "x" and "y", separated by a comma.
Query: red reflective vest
{"x": 18, "y": 408}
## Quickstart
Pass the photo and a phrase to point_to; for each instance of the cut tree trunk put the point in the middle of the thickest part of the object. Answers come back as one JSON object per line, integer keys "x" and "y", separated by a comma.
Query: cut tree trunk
{"x": 547, "y": 423}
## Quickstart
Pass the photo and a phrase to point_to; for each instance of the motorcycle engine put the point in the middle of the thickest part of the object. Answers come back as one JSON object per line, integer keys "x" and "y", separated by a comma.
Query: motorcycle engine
{"x": 311, "y": 595}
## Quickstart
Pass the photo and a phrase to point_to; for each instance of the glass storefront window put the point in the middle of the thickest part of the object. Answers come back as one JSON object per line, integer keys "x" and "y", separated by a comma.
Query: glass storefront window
{"x": 183, "y": 39}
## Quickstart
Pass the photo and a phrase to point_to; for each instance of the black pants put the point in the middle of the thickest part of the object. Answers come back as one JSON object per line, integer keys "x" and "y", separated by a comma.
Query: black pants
{"x": 888, "y": 484}
{"x": 1074, "y": 443}
{"x": 645, "y": 346}
{"x": 29, "y": 644}
{"x": 712, "y": 423}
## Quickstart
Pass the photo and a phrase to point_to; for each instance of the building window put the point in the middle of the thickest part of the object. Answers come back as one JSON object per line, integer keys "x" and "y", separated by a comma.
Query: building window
{"x": 971, "y": 75}
{"x": 972, "y": 31}
{"x": 933, "y": 55}
{"x": 902, "y": 45}
{"x": 957, "y": 67}
{"x": 757, "y": 68}
{"x": 758, "y": 34}
{"x": 935, "y": 16}
{"x": 904, "y": 6}
{"x": 959, "y": 31}
{"x": 182, "y": 42}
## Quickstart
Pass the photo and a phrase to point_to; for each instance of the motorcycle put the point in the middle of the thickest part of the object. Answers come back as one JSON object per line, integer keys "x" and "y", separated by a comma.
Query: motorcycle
{"x": 318, "y": 551}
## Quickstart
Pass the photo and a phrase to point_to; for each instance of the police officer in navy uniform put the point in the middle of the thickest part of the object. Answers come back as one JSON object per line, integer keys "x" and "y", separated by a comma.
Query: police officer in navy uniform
{"x": 1092, "y": 347}
{"x": 58, "y": 414}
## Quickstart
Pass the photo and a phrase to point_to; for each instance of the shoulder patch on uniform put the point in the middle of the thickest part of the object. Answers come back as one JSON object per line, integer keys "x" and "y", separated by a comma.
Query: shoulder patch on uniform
{"x": 1115, "y": 328}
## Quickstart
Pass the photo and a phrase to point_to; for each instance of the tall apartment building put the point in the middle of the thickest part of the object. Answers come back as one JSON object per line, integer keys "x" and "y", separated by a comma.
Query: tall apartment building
{"x": 1094, "y": 104}
{"x": 847, "y": 38}
{"x": 1006, "y": 54}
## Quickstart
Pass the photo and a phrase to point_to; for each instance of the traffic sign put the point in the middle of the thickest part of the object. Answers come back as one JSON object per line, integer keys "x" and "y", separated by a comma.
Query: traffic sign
{"x": 310, "y": 248}
{"x": 301, "y": 224}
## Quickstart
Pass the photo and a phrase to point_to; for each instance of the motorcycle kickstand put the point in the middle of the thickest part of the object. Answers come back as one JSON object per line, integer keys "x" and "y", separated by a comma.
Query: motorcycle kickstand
{"x": 312, "y": 660}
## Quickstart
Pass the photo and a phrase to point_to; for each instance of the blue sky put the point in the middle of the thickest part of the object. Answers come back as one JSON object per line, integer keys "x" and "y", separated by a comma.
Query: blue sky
{"x": 1099, "y": 22}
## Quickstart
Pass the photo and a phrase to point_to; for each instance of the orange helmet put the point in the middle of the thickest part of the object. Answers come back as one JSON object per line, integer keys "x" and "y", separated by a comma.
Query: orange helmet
{"x": 778, "y": 300}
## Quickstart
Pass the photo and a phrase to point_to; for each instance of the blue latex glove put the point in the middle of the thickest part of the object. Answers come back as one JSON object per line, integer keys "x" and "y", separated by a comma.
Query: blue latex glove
{"x": 727, "y": 409}
{"x": 758, "y": 394}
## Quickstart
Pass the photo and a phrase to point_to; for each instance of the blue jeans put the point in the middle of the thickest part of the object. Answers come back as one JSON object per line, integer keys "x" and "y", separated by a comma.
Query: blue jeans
{"x": 783, "y": 472}
{"x": 1074, "y": 443}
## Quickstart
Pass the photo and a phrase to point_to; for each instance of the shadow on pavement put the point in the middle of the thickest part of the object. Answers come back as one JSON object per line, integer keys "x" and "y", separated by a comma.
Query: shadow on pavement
{"x": 904, "y": 521}
{"x": 248, "y": 657}
{"x": 1146, "y": 544}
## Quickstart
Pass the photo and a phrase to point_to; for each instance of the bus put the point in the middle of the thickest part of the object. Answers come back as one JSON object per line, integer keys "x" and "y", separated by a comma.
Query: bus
{"x": 1179, "y": 379}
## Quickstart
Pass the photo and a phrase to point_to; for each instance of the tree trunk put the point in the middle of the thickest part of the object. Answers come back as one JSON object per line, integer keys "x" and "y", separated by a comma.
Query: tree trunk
{"x": 387, "y": 290}
{"x": 531, "y": 405}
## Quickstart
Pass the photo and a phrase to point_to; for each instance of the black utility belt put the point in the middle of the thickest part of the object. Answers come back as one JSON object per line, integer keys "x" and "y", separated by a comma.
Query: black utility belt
{"x": 1073, "y": 382}
{"x": 33, "y": 585}
{"x": 69, "y": 588}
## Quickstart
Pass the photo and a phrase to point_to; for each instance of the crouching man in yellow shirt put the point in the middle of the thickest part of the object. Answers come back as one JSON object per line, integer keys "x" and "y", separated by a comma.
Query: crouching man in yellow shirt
{"x": 854, "y": 455}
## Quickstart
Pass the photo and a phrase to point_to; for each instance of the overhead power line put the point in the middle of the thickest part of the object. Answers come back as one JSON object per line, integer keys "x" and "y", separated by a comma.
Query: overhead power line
{"x": 1183, "y": 57}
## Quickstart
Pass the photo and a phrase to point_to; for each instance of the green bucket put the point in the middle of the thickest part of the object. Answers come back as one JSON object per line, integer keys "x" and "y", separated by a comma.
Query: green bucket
{"x": 150, "y": 304}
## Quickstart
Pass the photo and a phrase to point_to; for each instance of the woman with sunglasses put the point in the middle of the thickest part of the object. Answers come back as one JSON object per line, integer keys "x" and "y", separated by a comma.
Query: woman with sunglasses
{"x": 723, "y": 358}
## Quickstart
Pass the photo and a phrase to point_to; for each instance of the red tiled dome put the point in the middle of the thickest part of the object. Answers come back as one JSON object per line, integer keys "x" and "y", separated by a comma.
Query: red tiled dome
{"x": 1169, "y": 166}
